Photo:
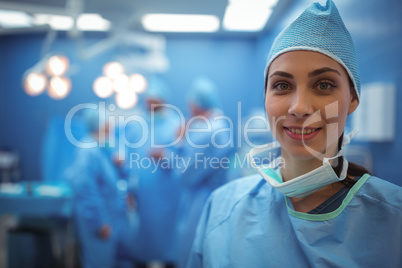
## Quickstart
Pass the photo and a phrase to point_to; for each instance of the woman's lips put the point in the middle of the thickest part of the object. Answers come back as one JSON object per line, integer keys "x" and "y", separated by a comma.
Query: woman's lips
{"x": 302, "y": 134}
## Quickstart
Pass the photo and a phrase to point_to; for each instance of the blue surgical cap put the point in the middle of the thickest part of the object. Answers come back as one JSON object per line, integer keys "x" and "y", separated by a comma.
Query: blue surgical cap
{"x": 321, "y": 29}
{"x": 157, "y": 89}
{"x": 204, "y": 93}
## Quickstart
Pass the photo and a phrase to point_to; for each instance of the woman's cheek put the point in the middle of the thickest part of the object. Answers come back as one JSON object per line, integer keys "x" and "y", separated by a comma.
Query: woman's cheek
{"x": 273, "y": 120}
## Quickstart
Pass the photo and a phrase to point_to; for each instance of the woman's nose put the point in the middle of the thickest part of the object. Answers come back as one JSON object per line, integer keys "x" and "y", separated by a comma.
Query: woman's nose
{"x": 301, "y": 104}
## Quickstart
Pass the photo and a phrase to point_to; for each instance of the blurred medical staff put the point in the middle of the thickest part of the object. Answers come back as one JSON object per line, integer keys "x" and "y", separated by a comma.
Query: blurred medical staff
{"x": 100, "y": 209}
{"x": 205, "y": 143}
{"x": 157, "y": 194}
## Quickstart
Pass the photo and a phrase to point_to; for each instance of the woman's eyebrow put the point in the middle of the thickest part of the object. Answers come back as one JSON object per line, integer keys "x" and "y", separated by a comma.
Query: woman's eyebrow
{"x": 323, "y": 70}
{"x": 280, "y": 73}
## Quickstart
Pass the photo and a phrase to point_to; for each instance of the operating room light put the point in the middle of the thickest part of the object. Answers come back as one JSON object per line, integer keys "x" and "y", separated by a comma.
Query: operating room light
{"x": 252, "y": 15}
{"x": 180, "y": 23}
{"x": 59, "y": 87}
{"x": 138, "y": 83}
{"x": 113, "y": 70}
{"x": 103, "y": 87}
{"x": 126, "y": 99}
{"x": 35, "y": 84}
{"x": 261, "y": 3}
{"x": 120, "y": 83}
{"x": 85, "y": 22}
{"x": 125, "y": 87}
{"x": 92, "y": 22}
{"x": 14, "y": 19}
{"x": 56, "y": 22}
{"x": 49, "y": 73}
{"x": 57, "y": 65}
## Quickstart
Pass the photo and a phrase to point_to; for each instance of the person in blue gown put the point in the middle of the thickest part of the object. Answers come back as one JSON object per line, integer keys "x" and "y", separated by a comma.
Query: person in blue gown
{"x": 311, "y": 208}
{"x": 204, "y": 148}
{"x": 100, "y": 210}
{"x": 157, "y": 193}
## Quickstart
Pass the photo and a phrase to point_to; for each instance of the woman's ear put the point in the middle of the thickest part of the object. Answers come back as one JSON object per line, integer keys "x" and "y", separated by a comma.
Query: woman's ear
{"x": 354, "y": 102}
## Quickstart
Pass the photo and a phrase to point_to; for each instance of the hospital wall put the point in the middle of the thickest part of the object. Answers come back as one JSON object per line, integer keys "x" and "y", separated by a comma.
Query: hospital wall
{"x": 376, "y": 28}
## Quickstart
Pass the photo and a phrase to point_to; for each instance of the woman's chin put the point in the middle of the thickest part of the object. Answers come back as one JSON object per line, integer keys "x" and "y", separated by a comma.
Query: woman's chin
{"x": 303, "y": 154}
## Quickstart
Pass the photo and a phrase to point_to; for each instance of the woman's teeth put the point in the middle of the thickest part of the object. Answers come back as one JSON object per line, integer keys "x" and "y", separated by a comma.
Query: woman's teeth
{"x": 302, "y": 131}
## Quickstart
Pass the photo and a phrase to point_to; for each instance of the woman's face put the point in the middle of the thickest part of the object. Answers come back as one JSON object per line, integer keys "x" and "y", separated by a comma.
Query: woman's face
{"x": 307, "y": 101}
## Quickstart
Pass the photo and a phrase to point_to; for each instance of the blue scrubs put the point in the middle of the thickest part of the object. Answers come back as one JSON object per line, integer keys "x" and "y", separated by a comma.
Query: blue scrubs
{"x": 93, "y": 178}
{"x": 204, "y": 172}
{"x": 157, "y": 193}
{"x": 249, "y": 224}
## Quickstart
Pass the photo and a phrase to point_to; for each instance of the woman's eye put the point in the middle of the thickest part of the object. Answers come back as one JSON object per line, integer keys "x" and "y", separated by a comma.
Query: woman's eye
{"x": 281, "y": 86}
{"x": 325, "y": 86}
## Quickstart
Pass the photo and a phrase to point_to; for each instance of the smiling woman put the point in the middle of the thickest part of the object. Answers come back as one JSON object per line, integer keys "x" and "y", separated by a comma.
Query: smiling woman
{"x": 316, "y": 210}
{"x": 313, "y": 82}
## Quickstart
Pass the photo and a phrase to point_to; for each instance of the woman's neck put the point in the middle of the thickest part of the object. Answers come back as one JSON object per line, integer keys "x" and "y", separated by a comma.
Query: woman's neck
{"x": 294, "y": 168}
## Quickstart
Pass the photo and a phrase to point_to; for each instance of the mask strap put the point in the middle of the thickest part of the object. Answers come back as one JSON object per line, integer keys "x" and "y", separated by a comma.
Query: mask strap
{"x": 325, "y": 161}
{"x": 344, "y": 171}
{"x": 344, "y": 166}
{"x": 349, "y": 137}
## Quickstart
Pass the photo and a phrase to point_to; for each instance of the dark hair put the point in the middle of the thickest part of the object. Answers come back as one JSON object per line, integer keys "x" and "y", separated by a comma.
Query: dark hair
{"x": 353, "y": 169}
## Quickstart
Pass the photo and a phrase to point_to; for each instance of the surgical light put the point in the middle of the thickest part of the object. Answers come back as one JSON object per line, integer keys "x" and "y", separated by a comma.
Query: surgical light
{"x": 103, "y": 87}
{"x": 57, "y": 65}
{"x": 138, "y": 83}
{"x": 180, "y": 23}
{"x": 120, "y": 83}
{"x": 59, "y": 87}
{"x": 126, "y": 99}
{"x": 113, "y": 69}
{"x": 35, "y": 83}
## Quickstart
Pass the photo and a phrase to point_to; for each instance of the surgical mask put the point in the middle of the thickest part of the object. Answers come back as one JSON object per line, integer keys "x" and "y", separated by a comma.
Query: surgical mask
{"x": 305, "y": 184}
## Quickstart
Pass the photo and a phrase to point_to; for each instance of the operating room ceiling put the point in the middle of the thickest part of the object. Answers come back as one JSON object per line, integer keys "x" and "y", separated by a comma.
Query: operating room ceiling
{"x": 126, "y": 13}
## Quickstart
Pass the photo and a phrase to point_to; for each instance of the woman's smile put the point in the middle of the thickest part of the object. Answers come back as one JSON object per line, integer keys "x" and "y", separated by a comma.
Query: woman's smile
{"x": 300, "y": 133}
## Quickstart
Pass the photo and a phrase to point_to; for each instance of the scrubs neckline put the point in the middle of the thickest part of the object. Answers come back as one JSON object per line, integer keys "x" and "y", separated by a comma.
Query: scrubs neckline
{"x": 333, "y": 214}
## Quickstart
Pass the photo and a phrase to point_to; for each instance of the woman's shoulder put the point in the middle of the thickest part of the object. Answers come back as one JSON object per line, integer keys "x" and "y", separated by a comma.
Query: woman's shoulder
{"x": 383, "y": 191}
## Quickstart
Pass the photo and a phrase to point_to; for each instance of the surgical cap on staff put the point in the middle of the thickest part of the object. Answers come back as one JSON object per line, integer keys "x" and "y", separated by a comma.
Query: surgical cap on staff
{"x": 204, "y": 93}
{"x": 321, "y": 29}
{"x": 157, "y": 89}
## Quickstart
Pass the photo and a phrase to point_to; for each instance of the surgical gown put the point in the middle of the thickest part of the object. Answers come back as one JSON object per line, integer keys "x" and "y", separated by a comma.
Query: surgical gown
{"x": 249, "y": 224}
{"x": 98, "y": 201}
{"x": 157, "y": 192}
{"x": 206, "y": 169}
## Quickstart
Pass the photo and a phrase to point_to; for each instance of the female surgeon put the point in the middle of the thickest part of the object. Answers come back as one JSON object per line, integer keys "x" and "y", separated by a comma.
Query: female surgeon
{"x": 311, "y": 208}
